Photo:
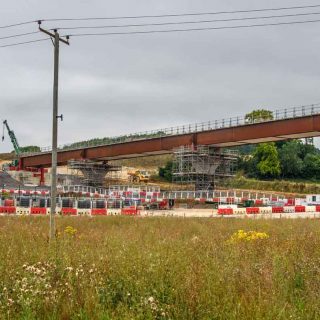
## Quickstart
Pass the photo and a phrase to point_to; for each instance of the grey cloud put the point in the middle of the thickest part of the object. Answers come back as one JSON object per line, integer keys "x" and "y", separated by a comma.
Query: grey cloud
{"x": 115, "y": 85}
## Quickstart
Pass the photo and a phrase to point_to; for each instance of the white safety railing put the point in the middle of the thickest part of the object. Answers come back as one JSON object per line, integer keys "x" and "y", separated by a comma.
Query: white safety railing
{"x": 129, "y": 192}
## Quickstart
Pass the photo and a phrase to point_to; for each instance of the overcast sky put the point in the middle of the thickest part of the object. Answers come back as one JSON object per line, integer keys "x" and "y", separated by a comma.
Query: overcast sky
{"x": 116, "y": 85}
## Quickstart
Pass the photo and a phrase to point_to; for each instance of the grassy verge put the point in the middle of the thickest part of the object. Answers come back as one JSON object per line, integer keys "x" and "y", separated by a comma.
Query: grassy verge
{"x": 159, "y": 268}
{"x": 275, "y": 185}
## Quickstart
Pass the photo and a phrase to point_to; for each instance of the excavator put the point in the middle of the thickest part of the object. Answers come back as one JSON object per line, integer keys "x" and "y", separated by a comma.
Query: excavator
{"x": 139, "y": 176}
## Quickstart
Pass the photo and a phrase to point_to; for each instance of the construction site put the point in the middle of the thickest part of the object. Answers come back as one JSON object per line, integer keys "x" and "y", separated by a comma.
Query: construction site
{"x": 97, "y": 184}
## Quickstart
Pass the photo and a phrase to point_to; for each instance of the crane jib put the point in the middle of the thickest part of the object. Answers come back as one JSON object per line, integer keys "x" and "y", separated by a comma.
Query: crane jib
{"x": 12, "y": 136}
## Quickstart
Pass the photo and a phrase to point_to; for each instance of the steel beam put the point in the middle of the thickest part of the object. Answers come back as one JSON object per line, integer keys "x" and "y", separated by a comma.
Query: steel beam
{"x": 303, "y": 127}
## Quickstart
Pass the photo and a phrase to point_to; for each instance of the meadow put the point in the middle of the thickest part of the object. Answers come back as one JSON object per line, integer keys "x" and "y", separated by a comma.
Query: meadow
{"x": 159, "y": 268}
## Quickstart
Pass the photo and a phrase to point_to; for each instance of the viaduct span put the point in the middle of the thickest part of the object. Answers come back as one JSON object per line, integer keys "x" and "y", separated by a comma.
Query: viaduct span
{"x": 291, "y": 123}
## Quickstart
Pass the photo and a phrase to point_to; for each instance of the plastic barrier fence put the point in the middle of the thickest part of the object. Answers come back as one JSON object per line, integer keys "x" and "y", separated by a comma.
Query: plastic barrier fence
{"x": 287, "y": 209}
{"x": 300, "y": 209}
{"x": 277, "y": 209}
{"x": 69, "y": 211}
{"x": 225, "y": 211}
{"x": 311, "y": 209}
{"x": 98, "y": 212}
{"x": 38, "y": 211}
{"x": 130, "y": 211}
{"x": 8, "y": 210}
{"x": 22, "y": 210}
{"x": 239, "y": 211}
{"x": 253, "y": 210}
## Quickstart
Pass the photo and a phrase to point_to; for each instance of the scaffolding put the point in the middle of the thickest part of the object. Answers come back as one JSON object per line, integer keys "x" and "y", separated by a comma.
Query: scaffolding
{"x": 93, "y": 173}
{"x": 203, "y": 166}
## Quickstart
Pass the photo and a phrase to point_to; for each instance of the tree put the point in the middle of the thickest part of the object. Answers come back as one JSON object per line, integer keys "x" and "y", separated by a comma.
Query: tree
{"x": 166, "y": 172}
{"x": 311, "y": 166}
{"x": 30, "y": 149}
{"x": 258, "y": 116}
{"x": 308, "y": 149}
{"x": 290, "y": 158}
{"x": 267, "y": 159}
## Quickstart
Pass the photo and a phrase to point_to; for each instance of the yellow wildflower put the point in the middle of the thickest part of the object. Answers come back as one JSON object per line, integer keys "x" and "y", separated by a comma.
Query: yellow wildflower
{"x": 70, "y": 230}
{"x": 241, "y": 235}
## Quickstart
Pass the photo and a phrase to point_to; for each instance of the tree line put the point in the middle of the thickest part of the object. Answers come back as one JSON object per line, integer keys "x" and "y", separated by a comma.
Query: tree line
{"x": 285, "y": 159}
{"x": 292, "y": 159}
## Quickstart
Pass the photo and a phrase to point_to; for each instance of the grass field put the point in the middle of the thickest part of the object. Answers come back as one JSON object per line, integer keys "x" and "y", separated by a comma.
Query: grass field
{"x": 159, "y": 268}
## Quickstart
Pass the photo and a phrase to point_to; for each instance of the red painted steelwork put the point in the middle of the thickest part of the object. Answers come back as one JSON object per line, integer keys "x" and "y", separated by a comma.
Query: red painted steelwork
{"x": 303, "y": 127}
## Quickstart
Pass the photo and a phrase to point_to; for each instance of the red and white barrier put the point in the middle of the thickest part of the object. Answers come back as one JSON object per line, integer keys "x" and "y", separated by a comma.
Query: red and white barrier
{"x": 23, "y": 210}
{"x": 38, "y": 211}
{"x": 130, "y": 211}
{"x": 8, "y": 210}
{"x": 98, "y": 212}
{"x": 230, "y": 210}
{"x": 69, "y": 211}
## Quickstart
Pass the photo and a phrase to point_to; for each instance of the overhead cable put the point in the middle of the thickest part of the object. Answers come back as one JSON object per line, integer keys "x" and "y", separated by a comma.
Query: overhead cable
{"x": 21, "y": 43}
{"x": 182, "y": 14}
{"x": 17, "y": 24}
{"x": 191, "y": 29}
{"x": 185, "y": 22}
{"x": 19, "y": 35}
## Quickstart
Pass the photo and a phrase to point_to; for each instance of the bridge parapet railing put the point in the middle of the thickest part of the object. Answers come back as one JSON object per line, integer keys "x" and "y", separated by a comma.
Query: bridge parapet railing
{"x": 282, "y": 114}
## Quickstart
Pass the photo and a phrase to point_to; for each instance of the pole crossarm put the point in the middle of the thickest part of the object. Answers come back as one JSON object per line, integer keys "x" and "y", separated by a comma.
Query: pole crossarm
{"x": 53, "y": 35}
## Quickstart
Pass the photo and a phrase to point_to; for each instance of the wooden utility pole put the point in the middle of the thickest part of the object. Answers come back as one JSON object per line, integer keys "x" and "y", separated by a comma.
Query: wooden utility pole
{"x": 55, "y": 38}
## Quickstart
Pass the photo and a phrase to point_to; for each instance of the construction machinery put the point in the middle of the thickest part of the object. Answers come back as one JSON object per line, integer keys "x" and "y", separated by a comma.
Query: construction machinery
{"x": 14, "y": 141}
{"x": 139, "y": 176}
{"x": 15, "y": 164}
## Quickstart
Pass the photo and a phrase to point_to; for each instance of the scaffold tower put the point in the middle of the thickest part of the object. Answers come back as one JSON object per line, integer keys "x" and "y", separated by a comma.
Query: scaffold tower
{"x": 92, "y": 173}
{"x": 202, "y": 166}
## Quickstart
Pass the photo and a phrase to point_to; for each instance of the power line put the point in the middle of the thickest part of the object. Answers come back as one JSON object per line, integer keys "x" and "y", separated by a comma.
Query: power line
{"x": 182, "y": 14}
{"x": 166, "y": 31}
{"x": 21, "y": 43}
{"x": 159, "y": 16}
{"x": 18, "y": 24}
{"x": 165, "y": 23}
{"x": 186, "y": 22}
{"x": 157, "y": 31}
{"x": 192, "y": 29}
{"x": 19, "y": 35}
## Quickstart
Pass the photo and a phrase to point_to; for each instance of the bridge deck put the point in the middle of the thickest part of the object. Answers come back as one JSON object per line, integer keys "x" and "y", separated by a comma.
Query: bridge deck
{"x": 275, "y": 130}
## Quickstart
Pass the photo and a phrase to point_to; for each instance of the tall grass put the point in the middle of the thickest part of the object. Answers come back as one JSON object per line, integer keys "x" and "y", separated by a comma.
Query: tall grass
{"x": 159, "y": 268}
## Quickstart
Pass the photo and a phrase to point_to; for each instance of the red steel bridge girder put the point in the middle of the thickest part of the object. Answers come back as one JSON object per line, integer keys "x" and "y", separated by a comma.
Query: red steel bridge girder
{"x": 302, "y": 127}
